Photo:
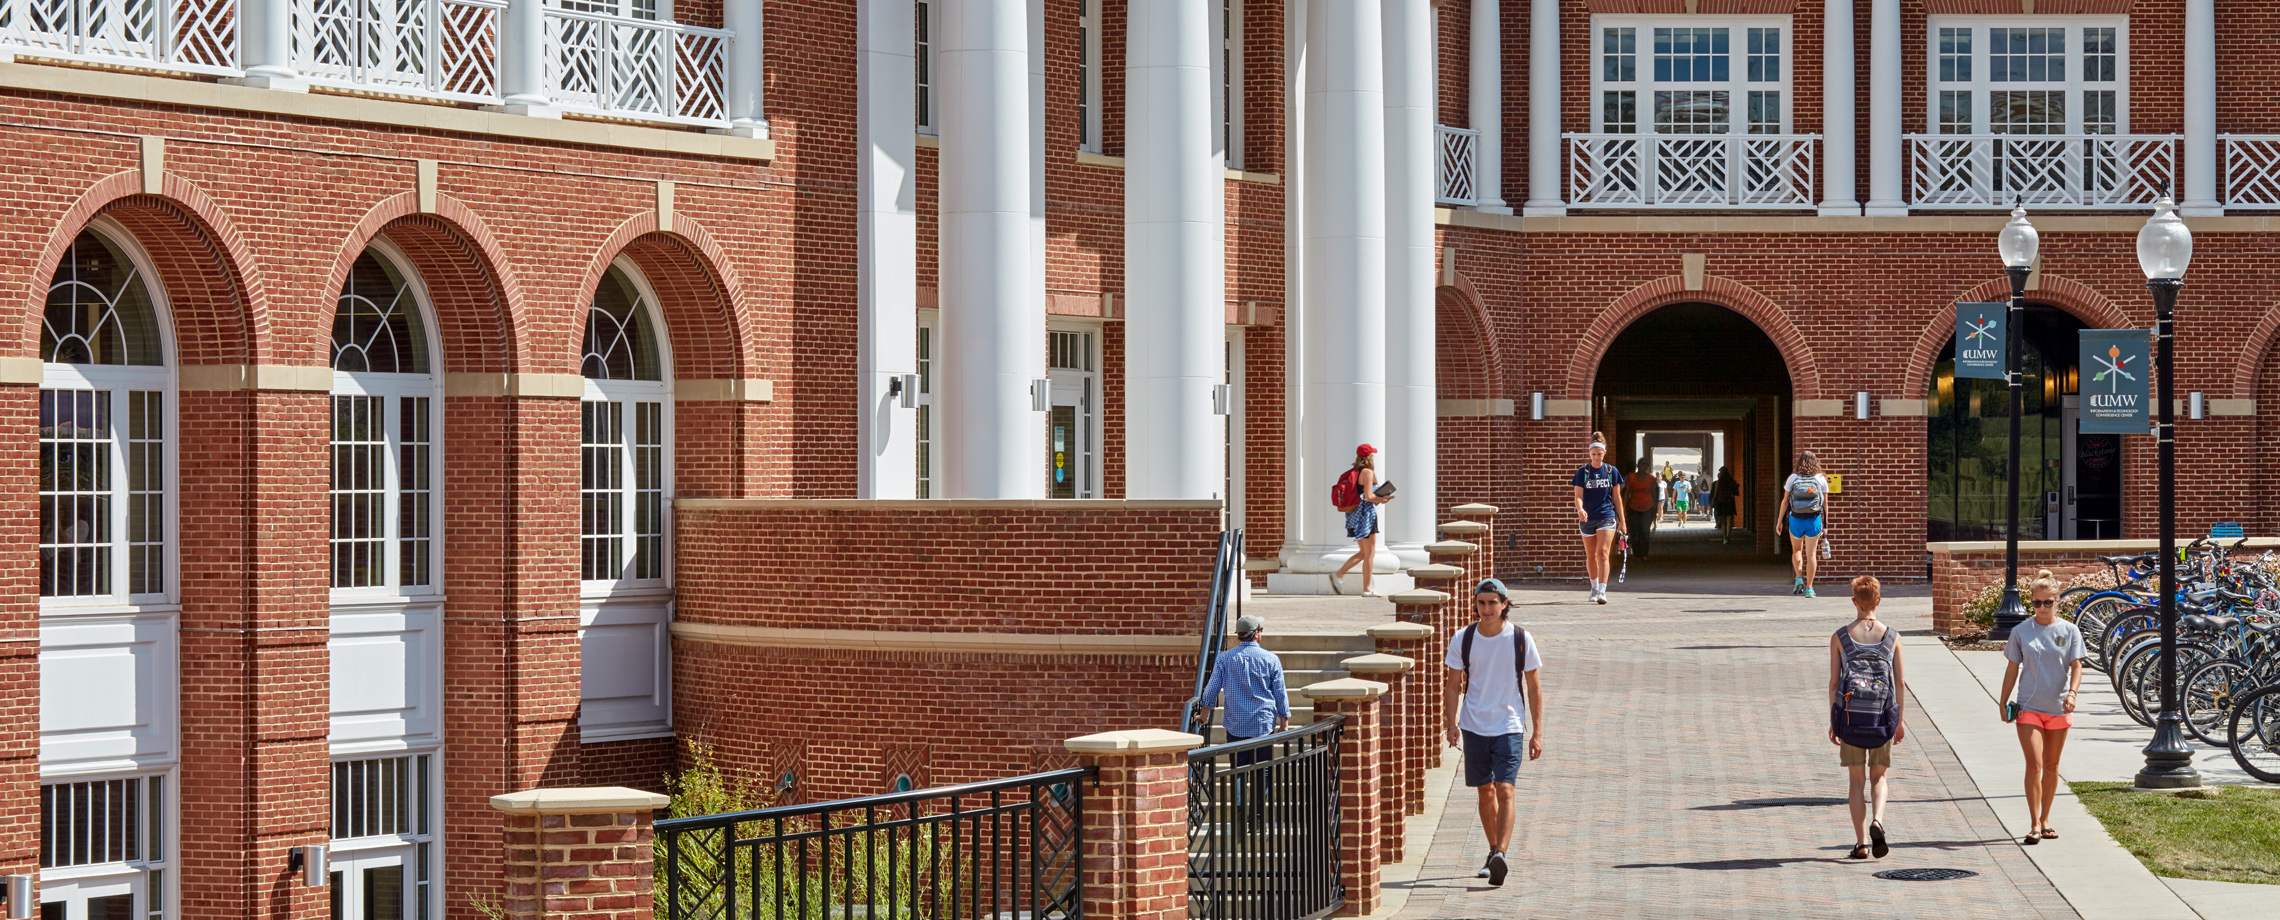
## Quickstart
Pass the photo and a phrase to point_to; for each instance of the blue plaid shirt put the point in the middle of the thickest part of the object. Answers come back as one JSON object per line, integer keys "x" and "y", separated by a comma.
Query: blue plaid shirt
{"x": 1252, "y": 678}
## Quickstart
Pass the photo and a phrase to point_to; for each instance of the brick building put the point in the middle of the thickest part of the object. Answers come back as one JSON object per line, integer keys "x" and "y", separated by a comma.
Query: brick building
{"x": 322, "y": 304}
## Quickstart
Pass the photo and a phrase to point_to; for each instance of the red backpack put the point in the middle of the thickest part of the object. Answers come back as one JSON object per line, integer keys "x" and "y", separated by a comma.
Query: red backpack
{"x": 1347, "y": 494}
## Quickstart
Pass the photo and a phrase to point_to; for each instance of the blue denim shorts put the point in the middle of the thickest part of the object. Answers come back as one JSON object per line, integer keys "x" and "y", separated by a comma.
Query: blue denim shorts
{"x": 1493, "y": 758}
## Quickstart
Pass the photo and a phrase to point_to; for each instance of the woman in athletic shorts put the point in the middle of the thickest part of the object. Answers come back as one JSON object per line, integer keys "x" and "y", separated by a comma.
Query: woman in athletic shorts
{"x": 1598, "y": 492}
{"x": 2046, "y": 666}
{"x": 1804, "y": 532}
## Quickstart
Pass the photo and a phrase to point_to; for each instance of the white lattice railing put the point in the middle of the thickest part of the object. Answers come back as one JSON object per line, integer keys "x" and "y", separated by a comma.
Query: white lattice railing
{"x": 199, "y": 36}
{"x": 2252, "y": 171}
{"x": 2044, "y": 170}
{"x": 443, "y": 48}
{"x": 1458, "y": 150}
{"x": 1691, "y": 170}
{"x": 637, "y": 68}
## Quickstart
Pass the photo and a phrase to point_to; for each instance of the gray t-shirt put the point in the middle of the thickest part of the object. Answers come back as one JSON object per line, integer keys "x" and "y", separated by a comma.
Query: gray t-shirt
{"x": 2043, "y": 654}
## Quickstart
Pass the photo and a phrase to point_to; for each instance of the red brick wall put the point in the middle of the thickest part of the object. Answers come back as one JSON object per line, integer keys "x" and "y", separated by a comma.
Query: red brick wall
{"x": 640, "y": 763}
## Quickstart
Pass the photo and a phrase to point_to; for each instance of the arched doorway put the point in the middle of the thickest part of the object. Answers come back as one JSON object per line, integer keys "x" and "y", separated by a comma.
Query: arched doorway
{"x": 2070, "y": 484}
{"x": 1690, "y": 389}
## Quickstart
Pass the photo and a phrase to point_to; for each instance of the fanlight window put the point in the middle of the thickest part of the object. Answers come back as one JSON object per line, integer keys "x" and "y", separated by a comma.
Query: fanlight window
{"x": 383, "y": 434}
{"x": 99, "y": 309}
{"x": 376, "y": 328}
{"x": 622, "y": 440}
{"x": 620, "y": 345}
{"x": 103, "y": 405}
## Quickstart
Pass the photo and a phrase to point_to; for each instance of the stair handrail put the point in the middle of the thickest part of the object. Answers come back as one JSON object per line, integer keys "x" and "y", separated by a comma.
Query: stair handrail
{"x": 1195, "y": 718}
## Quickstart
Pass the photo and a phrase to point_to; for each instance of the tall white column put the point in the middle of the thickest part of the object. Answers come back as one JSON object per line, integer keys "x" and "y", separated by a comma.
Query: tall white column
{"x": 886, "y": 249}
{"x": 2201, "y": 110}
{"x": 1544, "y": 195}
{"x": 1839, "y": 130}
{"x": 1175, "y": 278}
{"x": 1298, "y": 506}
{"x": 522, "y": 58}
{"x": 267, "y": 52}
{"x": 1344, "y": 239}
{"x": 1886, "y": 155}
{"x": 992, "y": 349}
{"x": 1485, "y": 105}
{"x": 1412, "y": 414}
{"x": 747, "y": 112}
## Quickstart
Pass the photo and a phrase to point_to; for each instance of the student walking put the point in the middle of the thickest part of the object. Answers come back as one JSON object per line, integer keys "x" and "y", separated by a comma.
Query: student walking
{"x": 2046, "y": 668}
{"x": 1805, "y": 504}
{"x": 1493, "y": 696}
{"x": 1639, "y": 507}
{"x": 1722, "y": 495}
{"x": 1866, "y": 685}
{"x": 1598, "y": 489}
{"x": 1361, "y": 516}
{"x": 1685, "y": 498}
{"x": 1250, "y": 678}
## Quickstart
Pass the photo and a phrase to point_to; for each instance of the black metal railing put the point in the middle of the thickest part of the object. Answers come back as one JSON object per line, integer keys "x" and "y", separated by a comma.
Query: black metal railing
{"x": 1263, "y": 826}
{"x": 1195, "y": 717}
{"x": 1004, "y": 848}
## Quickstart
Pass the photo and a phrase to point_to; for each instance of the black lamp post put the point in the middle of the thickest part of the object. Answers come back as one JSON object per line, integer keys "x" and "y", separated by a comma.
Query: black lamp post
{"x": 2164, "y": 246}
{"x": 2017, "y": 244}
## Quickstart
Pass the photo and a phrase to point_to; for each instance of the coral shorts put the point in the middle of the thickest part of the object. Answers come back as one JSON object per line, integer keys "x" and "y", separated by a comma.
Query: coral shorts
{"x": 2045, "y": 721}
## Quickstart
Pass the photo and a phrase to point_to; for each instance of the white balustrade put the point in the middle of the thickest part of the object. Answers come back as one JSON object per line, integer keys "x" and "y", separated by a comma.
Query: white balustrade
{"x": 1458, "y": 150}
{"x": 198, "y": 36}
{"x": 636, "y": 68}
{"x": 2044, "y": 170}
{"x": 443, "y": 48}
{"x": 2252, "y": 171}
{"x": 1691, "y": 171}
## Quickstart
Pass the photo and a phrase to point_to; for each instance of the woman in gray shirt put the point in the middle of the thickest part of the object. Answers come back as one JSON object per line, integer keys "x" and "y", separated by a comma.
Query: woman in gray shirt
{"x": 2046, "y": 668}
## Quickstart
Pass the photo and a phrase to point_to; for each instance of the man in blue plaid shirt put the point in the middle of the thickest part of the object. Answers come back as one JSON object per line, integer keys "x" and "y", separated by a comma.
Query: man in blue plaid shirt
{"x": 1251, "y": 678}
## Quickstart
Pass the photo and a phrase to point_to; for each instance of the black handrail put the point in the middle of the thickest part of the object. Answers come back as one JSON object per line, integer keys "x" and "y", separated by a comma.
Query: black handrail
{"x": 1263, "y": 826}
{"x": 1195, "y": 717}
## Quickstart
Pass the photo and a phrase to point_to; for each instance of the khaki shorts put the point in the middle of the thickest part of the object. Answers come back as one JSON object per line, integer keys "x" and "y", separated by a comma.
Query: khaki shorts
{"x": 1850, "y": 756}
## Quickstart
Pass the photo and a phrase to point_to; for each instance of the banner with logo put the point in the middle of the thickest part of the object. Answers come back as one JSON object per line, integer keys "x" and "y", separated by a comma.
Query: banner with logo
{"x": 2117, "y": 369}
{"x": 1980, "y": 339}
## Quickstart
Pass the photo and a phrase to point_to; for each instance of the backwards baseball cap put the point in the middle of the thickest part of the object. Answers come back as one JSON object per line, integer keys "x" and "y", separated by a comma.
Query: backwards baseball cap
{"x": 1249, "y": 625}
{"x": 1364, "y": 451}
{"x": 1491, "y": 586}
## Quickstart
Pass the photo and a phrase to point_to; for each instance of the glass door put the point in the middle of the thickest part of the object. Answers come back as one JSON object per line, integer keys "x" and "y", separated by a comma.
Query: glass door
{"x": 115, "y": 897}
{"x": 370, "y": 885}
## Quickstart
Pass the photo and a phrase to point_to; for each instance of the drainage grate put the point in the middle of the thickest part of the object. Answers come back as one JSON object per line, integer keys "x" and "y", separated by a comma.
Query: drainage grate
{"x": 1925, "y": 875}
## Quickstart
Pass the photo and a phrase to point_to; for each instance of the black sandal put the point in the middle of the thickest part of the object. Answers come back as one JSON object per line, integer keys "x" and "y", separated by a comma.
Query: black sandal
{"x": 1876, "y": 836}
{"x": 2048, "y": 834}
{"x": 1859, "y": 851}
{"x": 2030, "y": 839}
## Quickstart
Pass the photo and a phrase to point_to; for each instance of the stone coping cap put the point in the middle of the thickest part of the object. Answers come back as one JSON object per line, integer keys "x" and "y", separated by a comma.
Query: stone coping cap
{"x": 1344, "y": 688}
{"x": 1419, "y": 597}
{"x": 1134, "y": 741}
{"x": 1399, "y": 631}
{"x": 590, "y": 800}
{"x": 1434, "y": 570}
{"x": 1372, "y": 664}
{"x": 1464, "y": 527}
{"x": 2086, "y": 547}
{"x": 1262, "y": 565}
{"x": 1473, "y": 508}
{"x": 1450, "y": 548}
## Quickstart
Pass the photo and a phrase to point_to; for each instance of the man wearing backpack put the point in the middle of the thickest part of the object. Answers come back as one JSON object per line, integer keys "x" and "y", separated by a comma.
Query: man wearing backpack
{"x": 1488, "y": 718}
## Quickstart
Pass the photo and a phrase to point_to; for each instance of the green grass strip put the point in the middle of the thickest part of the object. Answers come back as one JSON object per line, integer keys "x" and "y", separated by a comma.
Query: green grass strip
{"x": 2233, "y": 836}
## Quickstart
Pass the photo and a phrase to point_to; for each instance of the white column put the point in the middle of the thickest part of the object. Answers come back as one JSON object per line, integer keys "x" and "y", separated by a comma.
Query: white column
{"x": 1544, "y": 195}
{"x": 1412, "y": 414}
{"x": 747, "y": 115}
{"x": 1297, "y": 471}
{"x": 992, "y": 350}
{"x": 1344, "y": 239}
{"x": 1886, "y": 155}
{"x": 886, "y": 249}
{"x": 1485, "y": 105}
{"x": 1839, "y": 129}
{"x": 2201, "y": 110}
{"x": 267, "y": 45}
{"x": 522, "y": 59}
{"x": 1175, "y": 279}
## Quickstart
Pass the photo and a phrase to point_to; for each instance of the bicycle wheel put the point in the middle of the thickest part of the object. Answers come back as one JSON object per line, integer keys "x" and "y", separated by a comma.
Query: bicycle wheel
{"x": 2091, "y": 618}
{"x": 2120, "y": 630}
{"x": 2253, "y": 733}
{"x": 2208, "y": 695}
{"x": 2134, "y": 683}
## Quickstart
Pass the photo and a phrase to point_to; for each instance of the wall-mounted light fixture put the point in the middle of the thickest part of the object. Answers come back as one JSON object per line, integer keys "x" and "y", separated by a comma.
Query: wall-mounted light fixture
{"x": 18, "y": 893}
{"x": 1223, "y": 399}
{"x": 2198, "y": 404}
{"x": 310, "y": 862}
{"x": 1040, "y": 394}
{"x": 1860, "y": 405}
{"x": 1536, "y": 407}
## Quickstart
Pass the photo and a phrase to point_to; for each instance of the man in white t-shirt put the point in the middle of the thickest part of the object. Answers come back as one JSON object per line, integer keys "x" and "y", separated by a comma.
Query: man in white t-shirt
{"x": 1488, "y": 718}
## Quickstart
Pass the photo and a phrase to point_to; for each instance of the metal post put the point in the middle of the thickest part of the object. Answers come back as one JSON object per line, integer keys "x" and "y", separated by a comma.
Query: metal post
{"x": 2168, "y": 760}
{"x": 2011, "y": 612}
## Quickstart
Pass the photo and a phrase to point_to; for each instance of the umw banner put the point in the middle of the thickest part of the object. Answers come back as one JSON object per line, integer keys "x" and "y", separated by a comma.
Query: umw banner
{"x": 1980, "y": 339}
{"x": 2116, "y": 368}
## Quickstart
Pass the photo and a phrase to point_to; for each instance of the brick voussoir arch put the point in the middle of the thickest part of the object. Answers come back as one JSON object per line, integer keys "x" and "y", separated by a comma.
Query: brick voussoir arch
{"x": 465, "y": 327}
{"x": 170, "y": 226}
{"x": 1583, "y": 369}
{"x": 1467, "y": 298}
{"x": 695, "y": 355}
{"x": 2076, "y": 298}
{"x": 2252, "y": 354}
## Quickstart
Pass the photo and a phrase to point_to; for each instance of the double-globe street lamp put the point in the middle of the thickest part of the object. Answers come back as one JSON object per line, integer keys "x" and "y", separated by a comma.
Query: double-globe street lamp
{"x": 2164, "y": 246}
{"x": 2017, "y": 244}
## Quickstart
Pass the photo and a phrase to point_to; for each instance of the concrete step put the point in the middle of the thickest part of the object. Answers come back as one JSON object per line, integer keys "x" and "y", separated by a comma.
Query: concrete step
{"x": 1384, "y": 583}
{"x": 1286, "y": 643}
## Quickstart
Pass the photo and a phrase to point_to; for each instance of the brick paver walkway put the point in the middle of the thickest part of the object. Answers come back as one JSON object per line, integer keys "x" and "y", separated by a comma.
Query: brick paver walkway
{"x": 1687, "y": 774}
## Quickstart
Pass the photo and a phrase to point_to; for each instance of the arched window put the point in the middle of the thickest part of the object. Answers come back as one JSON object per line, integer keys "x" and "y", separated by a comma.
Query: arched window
{"x": 383, "y": 433}
{"x": 623, "y": 424}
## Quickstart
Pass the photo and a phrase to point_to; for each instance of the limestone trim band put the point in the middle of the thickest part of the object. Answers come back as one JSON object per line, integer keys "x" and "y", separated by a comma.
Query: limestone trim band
{"x": 559, "y": 386}
{"x": 1673, "y": 223}
{"x": 745, "y": 390}
{"x": 256, "y": 377}
{"x": 592, "y": 800}
{"x": 942, "y": 504}
{"x": 2081, "y": 547}
{"x": 960, "y": 642}
{"x": 1468, "y": 408}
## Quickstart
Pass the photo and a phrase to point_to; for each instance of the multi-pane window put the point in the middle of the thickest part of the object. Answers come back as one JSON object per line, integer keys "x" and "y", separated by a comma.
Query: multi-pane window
{"x": 2036, "y": 76}
{"x": 922, "y": 62}
{"x": 624, "y": 9}
{"x": 1088, "y": 75}
{"x": 104, "y": 521}
{"x": 1713, "y": 78}
{"x": 383, "y": 433}
{"x": 623, "y": 463}
{"x": 1230, "y": 81}
{"x": 104, "y": 849}
{"x": 925, "y": 411}
{"x": 383, "y": 838}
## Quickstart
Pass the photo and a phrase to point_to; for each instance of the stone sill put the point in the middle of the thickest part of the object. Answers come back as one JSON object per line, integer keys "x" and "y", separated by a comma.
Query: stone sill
{"x": 1988, "y": 224}
{"x": 942, "y": 504}
{"x": 2085, "y": 547}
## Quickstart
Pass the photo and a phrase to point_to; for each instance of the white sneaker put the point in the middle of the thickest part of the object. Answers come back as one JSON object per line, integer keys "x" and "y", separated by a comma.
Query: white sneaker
{"x": 1601, "y": 597}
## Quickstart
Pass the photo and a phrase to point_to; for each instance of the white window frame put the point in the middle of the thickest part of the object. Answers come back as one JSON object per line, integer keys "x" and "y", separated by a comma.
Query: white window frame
{"x": 635, "y": 391}
{"x": 1088, "y": 75}
{"x": 929, "y": 356}
{"x": 1980, "y": 85}
{"x": 1227, "y": 35}
{"x": 1737, "y": 85}
{"x": 76, "y": 884}
{"x": 618, "y": 9}
{"x": 1091, "y": 450}
{"x": 395, "y": 387}
{"x": 347, "y": 854}
{"x": 635, "y": 602}
{"x": 1237, "y": 341}
{"x": 926, "y": 78}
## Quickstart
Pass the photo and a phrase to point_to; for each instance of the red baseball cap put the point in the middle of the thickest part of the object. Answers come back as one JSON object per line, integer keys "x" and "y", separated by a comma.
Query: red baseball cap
{"x": 1364, "y": 451}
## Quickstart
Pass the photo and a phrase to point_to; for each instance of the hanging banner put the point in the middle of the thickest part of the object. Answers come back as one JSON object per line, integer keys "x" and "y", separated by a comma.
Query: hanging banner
{"x": 1980, "y": 339}
{"x": 2116, "y": 368}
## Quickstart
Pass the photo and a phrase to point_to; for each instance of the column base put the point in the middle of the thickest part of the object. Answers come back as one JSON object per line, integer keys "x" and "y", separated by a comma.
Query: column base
{"x": 1319, "y": 559}
{"x": 285, "y": 84}
{"x": 1840, "y": 209}
{"x": 1885, "y": 209}
{"x": 759, "y": 130}
{"x": 2201, "y": 209}
{"x": 1497, "y": 208}
{"x": 1385, "y": 584}
{"x": 1544, "y": 209}
{"x": 1410, "y": 554}
{"x": 529, "y": 109}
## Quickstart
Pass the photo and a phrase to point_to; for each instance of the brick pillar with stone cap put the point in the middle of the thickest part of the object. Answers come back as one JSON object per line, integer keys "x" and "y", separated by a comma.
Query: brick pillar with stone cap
{"x": 1483, "y": 561}
{"x": 579, "y": 854}
{"x": 1136, "y": 824}
{"x": 1485, "y": 515}
{"x": 1419, "y": 702}
{"x": 1395, "y": 763}
{"x": 1427, "y": 610}
{"x": 1361, "y": 818}
{"x": 1464, "y": 557}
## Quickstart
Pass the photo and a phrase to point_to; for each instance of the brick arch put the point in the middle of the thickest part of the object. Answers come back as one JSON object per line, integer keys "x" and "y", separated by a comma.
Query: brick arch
{"x": 697, "y": 293}
{"x": 2076, "y": 298}
{"x": 1475, "y": 335}
{"x": 1583, "y": 369}
{"x": 2255, "y": 351}
{"x": 469, "y": 280}
{"x": 213, "y": 287}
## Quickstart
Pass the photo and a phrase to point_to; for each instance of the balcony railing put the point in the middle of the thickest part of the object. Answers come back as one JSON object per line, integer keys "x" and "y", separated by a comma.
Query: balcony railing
{"x": 2252, "y": 171}
{"x": 2046, "y": 170}
{"x": 636, "y": 68}
{"x": 1458, "y": 150}
{"x": 198, "y": 36}
{"x": 442, "y": 48}
{"x": 1691, "y": 171}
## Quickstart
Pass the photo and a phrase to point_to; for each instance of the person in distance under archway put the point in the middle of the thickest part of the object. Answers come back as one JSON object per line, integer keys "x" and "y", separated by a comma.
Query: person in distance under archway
{"x": 1804, "y": 508}
{"x": 1598, "y": 492}
{"x": 1639, "y": 491}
